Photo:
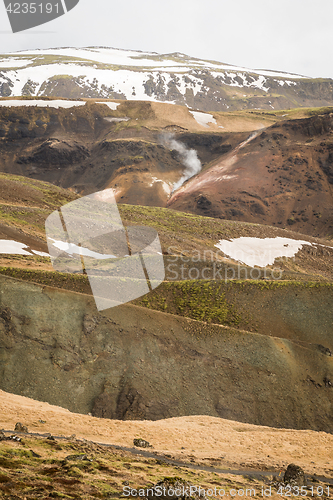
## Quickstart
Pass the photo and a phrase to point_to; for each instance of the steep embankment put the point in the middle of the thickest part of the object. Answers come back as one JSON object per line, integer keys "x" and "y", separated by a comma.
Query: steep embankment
{"x": 133, "y": 363}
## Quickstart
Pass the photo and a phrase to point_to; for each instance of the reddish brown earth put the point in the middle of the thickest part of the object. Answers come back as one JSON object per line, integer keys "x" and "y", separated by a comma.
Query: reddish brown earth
{"x": 281, "y": 176}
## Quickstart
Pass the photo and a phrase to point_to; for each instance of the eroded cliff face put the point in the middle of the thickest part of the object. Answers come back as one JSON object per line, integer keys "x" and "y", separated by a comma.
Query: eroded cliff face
{"x": 133, "y": 363}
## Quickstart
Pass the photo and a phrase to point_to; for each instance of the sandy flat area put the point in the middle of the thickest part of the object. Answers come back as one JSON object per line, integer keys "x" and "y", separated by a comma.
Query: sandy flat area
{"x": 204, "y": 439}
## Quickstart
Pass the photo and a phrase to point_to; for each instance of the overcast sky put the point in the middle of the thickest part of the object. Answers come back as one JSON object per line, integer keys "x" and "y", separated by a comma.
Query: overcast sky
{"x": 288, "y": 35}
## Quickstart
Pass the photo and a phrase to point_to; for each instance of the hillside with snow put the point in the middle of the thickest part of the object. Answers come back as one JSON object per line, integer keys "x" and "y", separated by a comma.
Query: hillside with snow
{"x": 175, "y": 78}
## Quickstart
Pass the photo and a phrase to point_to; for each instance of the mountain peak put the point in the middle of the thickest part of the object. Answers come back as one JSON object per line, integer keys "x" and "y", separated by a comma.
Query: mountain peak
{"x": 106, "y": 72}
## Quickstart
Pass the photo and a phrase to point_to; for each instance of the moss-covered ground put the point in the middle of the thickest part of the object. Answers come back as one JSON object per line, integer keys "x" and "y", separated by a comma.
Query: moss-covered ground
{"x": 40, "y": 468}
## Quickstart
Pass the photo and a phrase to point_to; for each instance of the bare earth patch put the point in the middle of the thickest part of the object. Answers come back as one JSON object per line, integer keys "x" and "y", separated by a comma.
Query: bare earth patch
{"x": 205, "y": 440}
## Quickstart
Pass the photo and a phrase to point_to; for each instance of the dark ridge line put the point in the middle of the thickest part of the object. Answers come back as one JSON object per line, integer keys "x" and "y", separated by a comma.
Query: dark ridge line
{"x": 162, "y": 458}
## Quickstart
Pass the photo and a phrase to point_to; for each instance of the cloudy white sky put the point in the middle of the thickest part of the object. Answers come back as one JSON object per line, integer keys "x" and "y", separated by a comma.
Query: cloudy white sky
{"x": 289, "y": 35}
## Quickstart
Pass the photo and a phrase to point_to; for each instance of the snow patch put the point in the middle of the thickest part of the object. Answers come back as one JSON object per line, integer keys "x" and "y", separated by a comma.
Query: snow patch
{"x": 13, "y": 247}
{"x": 127, "y": 72}
{"x": 116, "y": 57}
{"x": 226, "y": 177}
{"x": 71, "y": 248}
{"x": 247, "y": 81}
{"x": 112, "y": 105}
{"x": 14, "y": 63}
{"x": 203, "y": 118}
{"x": 260, "y": 252}
{"x": 120, "y": 57}
{"x": 116, "y": 120}
{"x": 41, "y": 254}
{"x": 42, "y": 104}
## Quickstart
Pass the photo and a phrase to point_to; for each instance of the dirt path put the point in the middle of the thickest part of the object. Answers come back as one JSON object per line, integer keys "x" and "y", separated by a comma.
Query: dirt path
{"x": 255, "y": 473}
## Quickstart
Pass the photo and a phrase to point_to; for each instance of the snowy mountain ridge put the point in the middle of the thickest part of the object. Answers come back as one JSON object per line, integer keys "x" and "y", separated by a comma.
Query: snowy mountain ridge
{"x": 175, "y": 78}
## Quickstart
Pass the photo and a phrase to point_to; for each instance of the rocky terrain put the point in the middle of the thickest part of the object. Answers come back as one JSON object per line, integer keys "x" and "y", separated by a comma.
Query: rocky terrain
{"x": 257, "y": 351}
{"x": 62, "y": 460}
{"x": 145, "y": 364}
{"x": 177, "y": 78}
{"x": 192, "y": 346}
{"x": 249, "y": 171}
{"x": 225, "y": 371}
{"x": 280, "y": 176}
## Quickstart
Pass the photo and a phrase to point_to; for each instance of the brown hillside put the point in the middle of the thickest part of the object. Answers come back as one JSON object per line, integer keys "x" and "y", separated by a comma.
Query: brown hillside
{"x": 281, "y": 176}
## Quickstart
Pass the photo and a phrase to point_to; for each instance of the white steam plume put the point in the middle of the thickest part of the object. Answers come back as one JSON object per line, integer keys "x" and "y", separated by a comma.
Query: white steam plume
{"x": 188, "y": 157}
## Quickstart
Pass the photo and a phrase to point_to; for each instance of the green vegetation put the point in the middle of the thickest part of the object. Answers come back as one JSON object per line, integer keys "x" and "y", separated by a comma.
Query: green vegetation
{"x": 41, "y": 468}
{"x": 26, "y": 203}
{"x": 192, "y": 225}
{"x": 73, "y": 282}
{"x": 34, "y": 218}
{"x": 272, "y": 116}
{"x": 216, "y": 302}
{"x": 200, "y": 300}
{"x": 60, "y": 77}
